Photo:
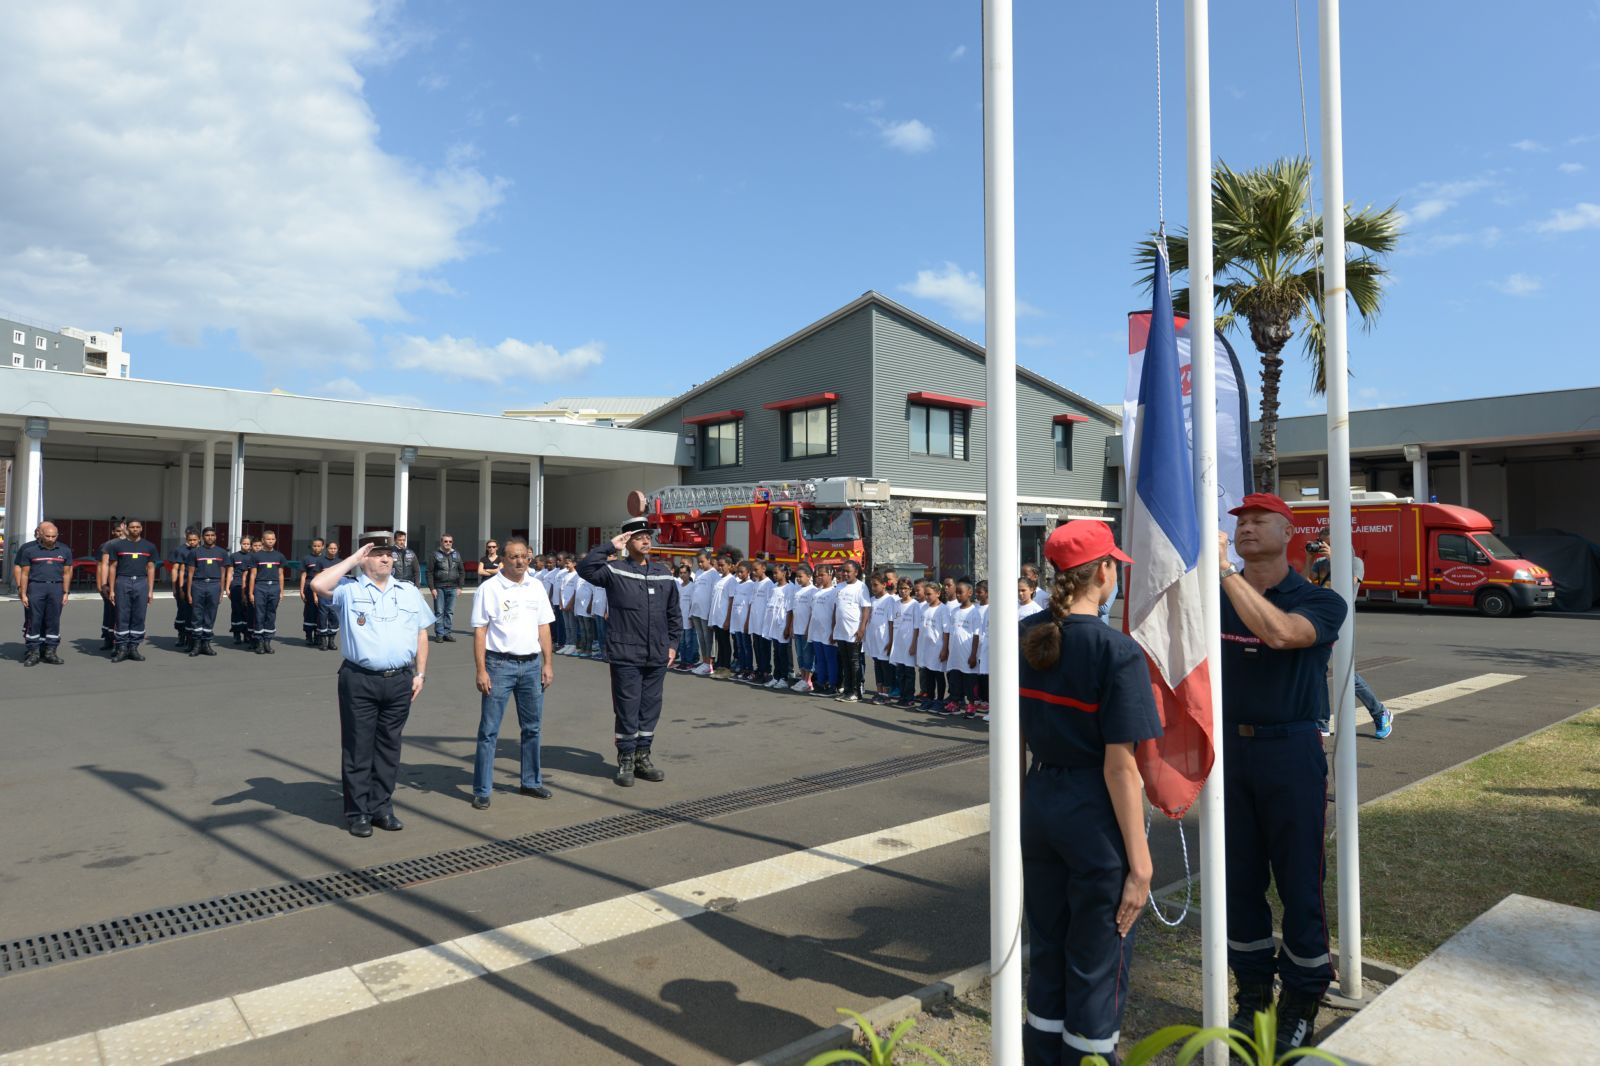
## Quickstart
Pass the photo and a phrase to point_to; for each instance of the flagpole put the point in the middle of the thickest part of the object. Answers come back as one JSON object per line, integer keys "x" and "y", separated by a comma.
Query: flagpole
{"x": 1343, "y": 567}
{"x": 1000, "y": 340}
{"x": 1203, "y": 382}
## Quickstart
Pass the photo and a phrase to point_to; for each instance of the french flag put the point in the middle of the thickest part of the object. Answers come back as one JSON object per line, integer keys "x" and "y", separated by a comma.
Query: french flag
{"x": 1164, "y": 612}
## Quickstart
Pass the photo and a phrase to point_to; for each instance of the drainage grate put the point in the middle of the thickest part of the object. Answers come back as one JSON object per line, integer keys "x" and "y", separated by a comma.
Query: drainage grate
{"x": 1381, "y": 660}
{"x": 31, "y": 953}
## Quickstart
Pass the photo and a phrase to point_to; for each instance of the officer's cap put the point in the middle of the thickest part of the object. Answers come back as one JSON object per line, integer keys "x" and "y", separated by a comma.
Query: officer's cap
{"x": 380, "y": 539}
{"x": 635, "y": 525}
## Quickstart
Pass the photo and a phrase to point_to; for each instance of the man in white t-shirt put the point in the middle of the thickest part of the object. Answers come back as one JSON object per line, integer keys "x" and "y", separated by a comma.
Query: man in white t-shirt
{"x": 705, "y": 579}
{"x": 852, "y": 613}
{"x": 511, "y": 618}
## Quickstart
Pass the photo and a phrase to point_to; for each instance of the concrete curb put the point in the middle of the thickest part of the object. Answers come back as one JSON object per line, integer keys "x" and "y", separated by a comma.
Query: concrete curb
{"x": 881, "y": 1018}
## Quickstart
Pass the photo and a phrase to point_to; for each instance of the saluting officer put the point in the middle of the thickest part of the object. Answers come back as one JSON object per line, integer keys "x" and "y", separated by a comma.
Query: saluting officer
{"x": 384, "y": 637}
{"x": 130, "y": 563}
{"x": 327, "y": 617}
{"x": 183, "y": 620}
{"x": 641, "y": 641}
{"x": 207, "y": 570}
{"x": 1278, "y": 631}
{"x": 240, "y": 563}
{"x": 40, "y": 572}
{"x": 265, "y": 590}
{"x": 310, "y": 567}
{"x": 102, "y": 583}
{"x": 1085, "y": 704}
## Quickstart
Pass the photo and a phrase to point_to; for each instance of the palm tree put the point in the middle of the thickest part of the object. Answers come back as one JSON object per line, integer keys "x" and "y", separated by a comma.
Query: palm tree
{"x": 1267, "y": 258}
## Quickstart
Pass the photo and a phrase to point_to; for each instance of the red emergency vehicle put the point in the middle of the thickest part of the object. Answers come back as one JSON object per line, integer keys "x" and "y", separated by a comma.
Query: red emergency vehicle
{"x": 816, "y": 521}
{"x": 1432, "y": 554}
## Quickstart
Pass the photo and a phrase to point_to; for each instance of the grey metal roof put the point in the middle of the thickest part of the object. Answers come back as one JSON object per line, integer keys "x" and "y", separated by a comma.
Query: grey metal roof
{"x": 1532, "y": 416}
{"x": 608, "y": 403}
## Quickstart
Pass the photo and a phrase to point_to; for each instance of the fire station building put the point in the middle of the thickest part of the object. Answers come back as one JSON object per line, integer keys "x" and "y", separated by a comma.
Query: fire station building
{"x": 876, "y": 390}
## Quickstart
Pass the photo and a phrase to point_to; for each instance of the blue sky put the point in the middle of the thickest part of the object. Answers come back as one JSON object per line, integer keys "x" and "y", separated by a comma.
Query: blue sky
{"x": 482, "y": 206}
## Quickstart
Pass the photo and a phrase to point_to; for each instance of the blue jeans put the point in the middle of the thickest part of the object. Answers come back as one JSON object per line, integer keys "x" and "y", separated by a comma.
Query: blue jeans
{"x": 599, "y": 634}
{"x": 803, "y": 654}
{"x": 780, "y": 659}
{"x": 689, "y": 644}
{"x": 508, "y": 678}
{"x": 1368, "y": 698}
{"x": 571, "y": 617}
{"x": 743, "y": 660}
{"x": 445, "y": 608}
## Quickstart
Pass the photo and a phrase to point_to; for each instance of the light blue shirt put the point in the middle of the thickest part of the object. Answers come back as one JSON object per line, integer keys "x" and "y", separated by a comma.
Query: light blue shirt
{"x": 378, "y": 628}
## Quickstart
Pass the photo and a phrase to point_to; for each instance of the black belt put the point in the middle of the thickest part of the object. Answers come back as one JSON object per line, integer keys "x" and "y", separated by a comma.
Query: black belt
{"x": 207, "y": 580}
{"x": 43, "y": 580}
{"x": 358, "y": 668}
{"x": 512, "y": 658}
{"x": 1280, "y": 729}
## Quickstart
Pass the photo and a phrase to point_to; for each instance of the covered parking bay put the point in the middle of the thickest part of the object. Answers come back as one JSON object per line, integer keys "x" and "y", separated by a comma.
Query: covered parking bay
{"x": 84, "y": 450}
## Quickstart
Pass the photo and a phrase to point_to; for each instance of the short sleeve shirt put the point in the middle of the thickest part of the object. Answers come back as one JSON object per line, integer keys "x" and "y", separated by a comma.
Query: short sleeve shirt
{"x": 269, "y": 566}
{"x": 241, "y": 562}
{"x": 930, "y": 645}
{"x": 779, "y": 603}
{"x": 700, "y": 599}
{"x": 721, "y": 593}
{"x": 1098, "y": 693}
{"x": 905, "y": 627}
{"x": 47, "y": 565}
{"x": 130, "y": 557}
{"x": 743, "y": 593}
{"x": 310, "y": 567}
{"x": 820, "y": 628}
{"x": 205, "y": 564}
{"x": 877, "y": 639}
{"x": 854, "y": 597}
{"x": 512, "y": 612}
{"x": 964, "y": 623}
{"x": 378, "y": 627}
{"x": 803, "y": 598}
{"x": 1262, "y": 686}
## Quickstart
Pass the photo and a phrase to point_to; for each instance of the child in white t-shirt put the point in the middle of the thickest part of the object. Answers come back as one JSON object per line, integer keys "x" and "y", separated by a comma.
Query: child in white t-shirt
{"x": 930, "y": 647}
{"x": 902, "y": 648}
{"x": 777, "y": 623}
{"x": 880, "y": 629}
{"x": 824, "y": 656}
{"x": 804, "y": 593}
{"x": 961, "y": 651}
{"x": 981, "y": 594}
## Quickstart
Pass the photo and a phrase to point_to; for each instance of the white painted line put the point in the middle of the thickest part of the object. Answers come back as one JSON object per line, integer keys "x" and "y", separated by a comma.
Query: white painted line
{"x": 1429, "y": 696}
{"x": 192, "y": 1031}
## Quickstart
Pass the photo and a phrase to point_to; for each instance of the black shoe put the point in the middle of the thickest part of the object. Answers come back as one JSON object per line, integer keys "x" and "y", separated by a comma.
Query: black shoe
{"x": 448, "y": 639}
{"x": 644, "y": 769}
{"x": 51, "y": 657}
{"x": 388, "y": 822}
{"x": 332, "y": 644}
{"x": 536, "y": 791}
{"x": 194, "y": 649}
{"x": 270, "y": 649}
{"x": 31, "y": 659}
{"x": 1249, "y": 1000}
{"x": 119, "y": 655}
{"x": 1297, "y": 1021}
{"x": 435, "y": 640}
{"x": 237, "y": 639}
{"x": 480, "y": 803}
{"x": 313, "y": 641}
{"x": 136, "y": 655}
{"x": 624, "y": 776}
{"x": 206, "y": 648}
{"x": 259, "y": 647}
{"x": 107, "y": 644}
{"x": 361, "y": 826}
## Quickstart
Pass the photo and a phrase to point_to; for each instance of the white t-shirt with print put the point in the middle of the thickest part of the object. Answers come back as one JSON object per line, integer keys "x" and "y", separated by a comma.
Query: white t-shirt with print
{"x": 877, "y": 639}
{"x": 964, "y": 625}
{"x": 512, "y": 612}
{"x": 820, "y": 628}
{"x": 906, "y": 617}
{"x": 853, "y": 598}
{"x": 930, "y": 642}
{"x": 803, "y": 598}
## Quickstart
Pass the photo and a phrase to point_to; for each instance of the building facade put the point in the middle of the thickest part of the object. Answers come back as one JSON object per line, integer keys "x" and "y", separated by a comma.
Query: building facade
{"x": 616, "y": 411}
{"x": 31, "y": 347}
{"x": 876, "y": 390}
{"x": 103, "y": 355}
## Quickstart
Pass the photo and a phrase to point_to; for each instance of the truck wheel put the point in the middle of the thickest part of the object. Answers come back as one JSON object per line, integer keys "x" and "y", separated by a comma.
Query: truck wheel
{"x": 1495, "y": 603}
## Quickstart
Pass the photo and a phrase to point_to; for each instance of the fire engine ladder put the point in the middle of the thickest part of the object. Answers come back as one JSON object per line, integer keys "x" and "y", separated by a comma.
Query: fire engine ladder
{"x": 714, "y": 497}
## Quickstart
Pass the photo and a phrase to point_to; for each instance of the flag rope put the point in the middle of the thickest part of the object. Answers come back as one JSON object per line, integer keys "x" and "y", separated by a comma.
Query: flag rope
{"x": 1188, "y": 876}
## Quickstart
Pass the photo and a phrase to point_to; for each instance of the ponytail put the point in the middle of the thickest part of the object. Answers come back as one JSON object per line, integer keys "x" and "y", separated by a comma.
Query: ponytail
{"x": 1041, "y": 646}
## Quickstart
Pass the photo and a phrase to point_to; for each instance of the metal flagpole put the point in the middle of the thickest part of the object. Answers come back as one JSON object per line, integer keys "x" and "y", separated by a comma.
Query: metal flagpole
{"x": 1343, "y": 570}
{"x": 1203, "y": 382}
{"x": 1000, "y": 339}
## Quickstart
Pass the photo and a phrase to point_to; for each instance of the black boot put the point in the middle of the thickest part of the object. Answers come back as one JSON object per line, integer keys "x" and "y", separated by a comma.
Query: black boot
{"x": 194, "y": 648}
{"x": 268, "y": 642}
{"x": 107, "y": 644}
{"x": 624, "y": 769}
{"x": 312, "y": 640}
{"x": 184, "y": 642}
{"x": 237, "y": 639}
{"x": 135, "y": 654}
{"x": 327, "y": 642}
{"x": 51, "y": 657}
{"x": 1297, "y": 1021}
{"x": 1249, "y": 1000}
{"x": 644, "y": 769}
{"x": 259, "y": 647}
{"x": 120, "y": 654}
{"x": 31, "y": 658}
{"x": 206, "y": 648}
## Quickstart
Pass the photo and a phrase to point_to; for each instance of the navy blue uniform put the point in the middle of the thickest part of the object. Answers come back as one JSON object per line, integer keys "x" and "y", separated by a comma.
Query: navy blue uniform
{"x": 310, "y": 567}
{"x": 327, "y": 615}
{"x": 47, "y": 573}
{"x": 645, "y": 623}
{"x": 1275, "y": 783}
{"x": 1074, "y": 863}
{"x": 268, "y": 566}
{"x": 205, "y": 588}
{"x": 181, "y": 621}
{"x": 108, "y": 610}
{"x": 130, "y": 560}
{"x": 241, "y": 616}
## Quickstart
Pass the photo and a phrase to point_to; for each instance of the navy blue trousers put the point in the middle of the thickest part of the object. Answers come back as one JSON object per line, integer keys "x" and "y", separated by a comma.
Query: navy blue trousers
{"x": 207, "y": 595}
{"x": 133, "y": 603}
{"x": 1275, "y": 794}
{"x": 108, "y": 619}
{"x": 309, "y": 613}
{"x": 1073, "y": 869}
{"x": 636, "y": 704}
{"x": 41, "y": 623}
{"x": 240, "y": 622}
{"x": 266, "y": 612}
{"x": 184, "y": 621}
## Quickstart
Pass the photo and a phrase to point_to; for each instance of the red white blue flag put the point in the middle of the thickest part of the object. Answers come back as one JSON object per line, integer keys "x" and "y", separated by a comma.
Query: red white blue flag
{"x": 1163, "y": 605}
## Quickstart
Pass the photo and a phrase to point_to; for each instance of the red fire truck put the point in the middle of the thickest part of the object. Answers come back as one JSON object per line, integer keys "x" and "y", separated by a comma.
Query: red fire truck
{"x": 1432, "y": 554}
{"x": 813, "y": 521}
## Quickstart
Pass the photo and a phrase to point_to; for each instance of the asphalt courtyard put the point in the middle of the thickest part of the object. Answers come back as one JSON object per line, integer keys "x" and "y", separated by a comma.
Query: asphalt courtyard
{"x": 139, "y": 787}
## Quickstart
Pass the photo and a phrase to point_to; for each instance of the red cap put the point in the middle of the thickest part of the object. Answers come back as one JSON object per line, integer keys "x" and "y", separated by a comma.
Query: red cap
{"x": 1263, "y": 501}
{"x": 1079, "y": 542}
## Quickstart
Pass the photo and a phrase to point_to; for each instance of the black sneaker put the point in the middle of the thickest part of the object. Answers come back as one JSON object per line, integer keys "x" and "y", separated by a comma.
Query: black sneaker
{"x": 1297, "y": 1021}
{"x": 1249, "y": 1000}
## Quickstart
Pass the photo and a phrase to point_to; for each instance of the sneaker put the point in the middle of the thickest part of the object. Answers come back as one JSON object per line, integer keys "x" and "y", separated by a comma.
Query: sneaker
{"x": 950, "y": 708}
{"x": 801, "y": 686}
{"x": 985, "y": 718}
{"x": 703, "y": 670}
{"x": 774, "y": 683}
{"x": 1297, "y": 1021}
{"x": 1383, "y": 724}
{"x": 970, "y": 711}
{"x": 847, "y": 698}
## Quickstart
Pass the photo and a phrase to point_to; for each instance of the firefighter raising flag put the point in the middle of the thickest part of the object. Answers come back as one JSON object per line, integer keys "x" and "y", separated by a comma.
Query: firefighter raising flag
{"x": 1164, "y": 608}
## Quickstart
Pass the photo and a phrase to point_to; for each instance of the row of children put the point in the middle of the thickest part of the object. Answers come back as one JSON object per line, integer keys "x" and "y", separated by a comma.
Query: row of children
{"x": 581, "y": 608}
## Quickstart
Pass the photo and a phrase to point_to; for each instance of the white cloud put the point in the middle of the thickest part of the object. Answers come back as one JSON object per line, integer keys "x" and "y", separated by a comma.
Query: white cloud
{"x": 434, "y": 82}
{"x": 1571, "y": 168}
{"x": 960, "y": 292}
{"x": 194, "y": 167}
{"x": 509, "y": 362}
{"x": 1526, "y": 145}
{"x": 1569, "y": 220}
{"x": 911, "y": 136}
{"x": 1437, "y": 197}
{"x": 1518, "y": 285}
{"x": 350, "y": 389}
{"x": 1487, "y": 237}
{"x": 957, "y": 52}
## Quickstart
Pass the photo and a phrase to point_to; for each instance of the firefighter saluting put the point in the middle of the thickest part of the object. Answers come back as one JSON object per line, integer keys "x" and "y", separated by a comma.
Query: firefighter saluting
{"x": 641, "y": 639}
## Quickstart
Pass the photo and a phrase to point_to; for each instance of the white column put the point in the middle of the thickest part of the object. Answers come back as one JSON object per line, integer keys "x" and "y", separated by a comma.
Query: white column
{"x": 1419, "y": 477}
{"x": 1336, "y": 318}
{"x": 485, "y": 499}
{"x": 444, "y": 488}
{"x": 1000, "y": 338}
{"x": 208, "y": 484}
{"x": 322, "y": 502}
{"x": 1202, "y": 330}
{"x": 358, "y": 505}
{"x": 402, "y": 487}
{"x": 236, "y": 490}
{"x": 33, "y": 479}
{"x": 536, "y": 505}
{"x": 183, "y": 492}
{"x": 1465, "y": 474}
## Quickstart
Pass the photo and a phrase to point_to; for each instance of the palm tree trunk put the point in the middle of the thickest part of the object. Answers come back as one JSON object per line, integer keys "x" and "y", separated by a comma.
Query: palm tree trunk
{"x": 1267, "y": 457}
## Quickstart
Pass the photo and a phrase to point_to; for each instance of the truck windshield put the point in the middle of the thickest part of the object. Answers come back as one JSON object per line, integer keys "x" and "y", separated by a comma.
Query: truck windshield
{"x": 1494, "y": 546}
{"x": 830, "y": 524}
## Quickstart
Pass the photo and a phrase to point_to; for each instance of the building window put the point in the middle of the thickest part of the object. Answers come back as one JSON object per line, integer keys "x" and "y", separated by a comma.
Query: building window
{"x": 18, "y": 337}
{"x": 1062, "y": 434}
{"x": 39, "y": 343}
{"x": 16, "y": 358}
{"x": 811, "y": 432}
{"x": 721, "y": 444}
{"x": 123, "y": 371}
{"x": 38, "y": 364}
{"x": 938, "y": 431}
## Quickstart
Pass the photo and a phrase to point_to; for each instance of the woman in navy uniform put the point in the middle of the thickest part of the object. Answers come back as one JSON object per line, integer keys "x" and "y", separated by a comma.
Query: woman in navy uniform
{"x": 310, "y": 567}
{"x": 1085, "y": 703}
{"x": 240, "y": 563}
